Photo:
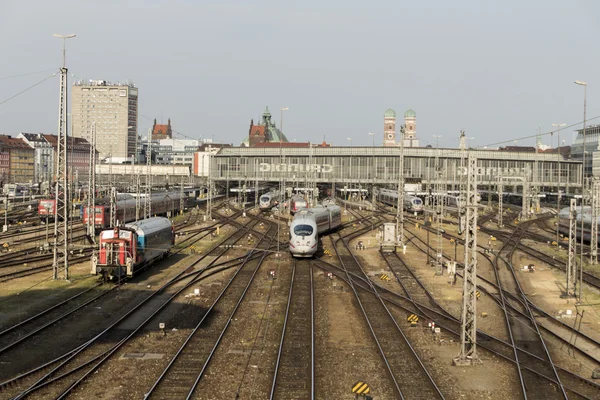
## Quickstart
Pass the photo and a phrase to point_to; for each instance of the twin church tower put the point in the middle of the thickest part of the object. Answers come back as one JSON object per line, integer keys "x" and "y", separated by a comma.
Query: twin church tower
{"x": 408, "y": 131}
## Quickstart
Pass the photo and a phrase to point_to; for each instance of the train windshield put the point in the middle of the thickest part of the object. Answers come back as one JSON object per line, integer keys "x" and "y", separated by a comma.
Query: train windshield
{"x": 418, "y": 201}
{"x": 303, "y": 230}
{"x": 265, "y": 199}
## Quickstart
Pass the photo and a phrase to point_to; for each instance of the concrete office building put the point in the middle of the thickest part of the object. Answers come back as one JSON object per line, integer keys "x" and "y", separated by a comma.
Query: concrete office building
{"x": 113, "y": 109}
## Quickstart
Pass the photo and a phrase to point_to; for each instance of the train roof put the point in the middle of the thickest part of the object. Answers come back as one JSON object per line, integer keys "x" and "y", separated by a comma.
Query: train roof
{"x": 150, "y": 225}
{"x": 311, "y": 213}
{"x": 587, "y": 212}
{"x": 130, "y": 200}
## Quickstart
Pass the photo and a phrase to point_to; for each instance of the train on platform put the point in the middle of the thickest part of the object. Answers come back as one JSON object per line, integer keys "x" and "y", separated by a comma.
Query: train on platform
{"x": 297, "y": 202}
{"x": 308, "y": 224}
{"x": 268, "y": 200}
{"x": 161, "y": 204}
{"x": 124, "y": 251}
{"x": 411, "y": 203}
{"x": 586, "y": 214}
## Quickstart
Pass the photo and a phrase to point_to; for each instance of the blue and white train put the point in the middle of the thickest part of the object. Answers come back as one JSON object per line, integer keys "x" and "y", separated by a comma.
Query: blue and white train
{"x": 306, "y": 226}
{"x": 124, "y": 251}
{"x": 410, "y": 203}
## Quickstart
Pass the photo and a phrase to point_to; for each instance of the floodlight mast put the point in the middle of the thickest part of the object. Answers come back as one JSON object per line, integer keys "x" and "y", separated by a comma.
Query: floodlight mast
{"x": 61, "y": 189}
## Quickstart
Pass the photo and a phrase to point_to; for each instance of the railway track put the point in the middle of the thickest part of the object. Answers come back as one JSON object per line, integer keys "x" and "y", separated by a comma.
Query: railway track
{"x": 46, "y": 266}
{"x": 14, "y": 335}
{"x": 409, "y": 375}
{"x": 294, "y": 375}
{"x": 576, "y": 384}
{"x": 61, "y": 375}
{"x": 182, "y": 374}
{"x": 523, "y": 330}
{"x": 550, "y": 324}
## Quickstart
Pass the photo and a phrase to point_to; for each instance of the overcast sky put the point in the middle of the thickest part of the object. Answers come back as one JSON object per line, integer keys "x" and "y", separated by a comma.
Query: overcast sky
{"x": 499, "y": 71}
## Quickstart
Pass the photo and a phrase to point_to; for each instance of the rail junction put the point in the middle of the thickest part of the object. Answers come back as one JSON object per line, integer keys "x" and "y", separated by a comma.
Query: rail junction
{"x": 230, "y": 314}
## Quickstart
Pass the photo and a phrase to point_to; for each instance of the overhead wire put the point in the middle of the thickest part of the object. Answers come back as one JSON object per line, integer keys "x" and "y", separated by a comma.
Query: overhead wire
{"x": 30, "y": 87}
{"x": 26, "y": 74}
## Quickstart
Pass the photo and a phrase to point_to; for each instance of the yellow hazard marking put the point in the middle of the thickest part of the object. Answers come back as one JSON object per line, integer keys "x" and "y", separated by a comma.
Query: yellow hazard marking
{"x": 360, "y": 388}
{"x": 5, "y": 245}
{"x": 478, "y": 294}
{"x": 384, "y": 277}
{"x": 412, "y": 318}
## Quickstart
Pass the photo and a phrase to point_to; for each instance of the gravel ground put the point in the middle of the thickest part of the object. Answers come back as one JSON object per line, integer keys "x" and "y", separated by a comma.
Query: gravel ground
{"x": 345, "y": 351}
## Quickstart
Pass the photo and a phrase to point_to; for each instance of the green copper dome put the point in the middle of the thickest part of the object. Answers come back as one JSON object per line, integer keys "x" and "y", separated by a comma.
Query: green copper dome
{"x": 389, "y": 113}
{"x": 410, "y": 113}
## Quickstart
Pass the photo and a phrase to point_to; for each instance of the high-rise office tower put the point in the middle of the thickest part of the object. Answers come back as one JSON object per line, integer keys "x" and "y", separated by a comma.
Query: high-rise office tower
{"x": 113, "y": 109}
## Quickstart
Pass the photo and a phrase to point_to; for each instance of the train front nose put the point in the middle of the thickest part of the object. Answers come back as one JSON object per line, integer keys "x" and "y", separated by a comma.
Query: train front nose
{"x": 303, "y": 246}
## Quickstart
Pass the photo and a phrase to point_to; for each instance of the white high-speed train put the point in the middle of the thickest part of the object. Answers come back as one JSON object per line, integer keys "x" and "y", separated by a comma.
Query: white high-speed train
{"x": 411, "y": 203}
{"x": 268, "y": 200}
{"x": 459, "y": 201}
{"x": 306, "y": 226}
{"x": 563, "y": 222}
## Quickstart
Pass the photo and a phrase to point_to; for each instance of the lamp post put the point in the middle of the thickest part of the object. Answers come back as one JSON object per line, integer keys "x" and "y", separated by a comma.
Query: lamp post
{"x": 558, "y": 126}
{"x": 583, "y": 168}
{"x": 64, "y": 38}
{"x": 373, "y": 154}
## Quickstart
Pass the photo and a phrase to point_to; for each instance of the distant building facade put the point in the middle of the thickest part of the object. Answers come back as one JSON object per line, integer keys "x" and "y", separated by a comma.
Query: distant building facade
{"x": 389, "y": 127}
{"x": 112, "y": 109}
{"x": 266, "y": 131}
{"x": 21, "y": 159}
{"x": 161, "y": 131}
{"x": 409, "y": 129}
{"x": 592, "y": 149}
{"x": 43, "y": 156}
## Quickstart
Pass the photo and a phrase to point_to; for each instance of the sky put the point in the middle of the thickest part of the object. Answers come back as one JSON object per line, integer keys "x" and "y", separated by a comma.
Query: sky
{"x": 500, "y": 71}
